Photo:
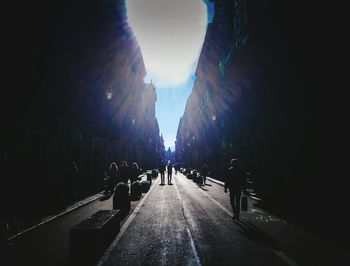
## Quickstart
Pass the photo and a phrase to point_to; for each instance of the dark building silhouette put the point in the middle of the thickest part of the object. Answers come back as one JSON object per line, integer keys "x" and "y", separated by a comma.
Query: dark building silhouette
{"x": 75, "y": 93}
{"x": 258, "y": 96}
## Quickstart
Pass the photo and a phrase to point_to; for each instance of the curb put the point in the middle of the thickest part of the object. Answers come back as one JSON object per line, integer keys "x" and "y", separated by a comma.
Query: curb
{"x": 69, "y": 209}
{"x": 125, "y": 225}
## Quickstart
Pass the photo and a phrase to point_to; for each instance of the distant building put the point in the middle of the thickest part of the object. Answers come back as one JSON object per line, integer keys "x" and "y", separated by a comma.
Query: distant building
{"x": 170, "y": 156}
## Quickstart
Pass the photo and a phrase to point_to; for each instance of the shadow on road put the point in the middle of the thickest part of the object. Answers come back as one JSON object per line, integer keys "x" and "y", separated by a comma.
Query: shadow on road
{"x": 105, "y": 197}
{"x": 254, "y": 233}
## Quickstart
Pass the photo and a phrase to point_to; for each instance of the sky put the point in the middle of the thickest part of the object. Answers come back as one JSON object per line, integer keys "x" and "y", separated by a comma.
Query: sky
{"x": 170, "y": 35}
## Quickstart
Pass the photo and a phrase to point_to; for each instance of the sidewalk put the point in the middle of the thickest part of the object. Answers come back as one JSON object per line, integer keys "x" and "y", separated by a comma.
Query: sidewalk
{"x": 64, "y": 212}
{"x": 48, "y": 242}
{"x": 327, "y": 234}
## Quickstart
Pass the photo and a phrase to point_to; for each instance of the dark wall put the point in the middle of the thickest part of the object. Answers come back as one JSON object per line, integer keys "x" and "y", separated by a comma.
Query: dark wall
{"x": 61, "y": 60}
{"x": 273, "y": 107}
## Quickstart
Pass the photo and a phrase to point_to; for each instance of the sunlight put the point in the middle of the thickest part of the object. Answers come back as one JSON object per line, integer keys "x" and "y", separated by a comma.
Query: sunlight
{"x": 170, "y": 34}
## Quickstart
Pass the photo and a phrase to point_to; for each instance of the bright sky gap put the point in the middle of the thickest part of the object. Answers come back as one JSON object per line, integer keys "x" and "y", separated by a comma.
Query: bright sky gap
{"x": 170, "y": 35}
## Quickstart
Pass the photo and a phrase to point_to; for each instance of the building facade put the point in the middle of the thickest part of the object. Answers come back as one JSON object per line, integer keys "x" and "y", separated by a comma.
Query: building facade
{"x": 79, "y": 96}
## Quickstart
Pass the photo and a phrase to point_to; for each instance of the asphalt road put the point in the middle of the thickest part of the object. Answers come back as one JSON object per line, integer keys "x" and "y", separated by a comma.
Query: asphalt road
{"x": 182, "y": 224}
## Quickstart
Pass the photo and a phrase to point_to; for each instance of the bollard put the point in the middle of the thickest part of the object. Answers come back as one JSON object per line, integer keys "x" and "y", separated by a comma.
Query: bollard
{"x": 149, "y": 177}
{"x": 145, "y": 186}
{"x": 89, "y": 239}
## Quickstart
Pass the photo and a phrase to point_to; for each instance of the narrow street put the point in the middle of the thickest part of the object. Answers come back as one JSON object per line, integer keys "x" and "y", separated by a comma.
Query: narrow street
{"x": 182, "y": 224}
{"x": 102, "y": 94}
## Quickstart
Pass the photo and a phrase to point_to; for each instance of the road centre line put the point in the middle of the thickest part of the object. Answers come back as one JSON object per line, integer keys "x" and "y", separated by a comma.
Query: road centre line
{"x": 195, "y": 253}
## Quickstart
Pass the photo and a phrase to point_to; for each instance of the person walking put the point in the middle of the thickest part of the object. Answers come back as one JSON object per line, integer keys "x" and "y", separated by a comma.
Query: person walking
{"x": 204, "y": 173}
{"x": 235, "y": 183}
{"x": 170, "y": 171}
{"x": 161, "y": 171}
{"x": 176, "y": 167}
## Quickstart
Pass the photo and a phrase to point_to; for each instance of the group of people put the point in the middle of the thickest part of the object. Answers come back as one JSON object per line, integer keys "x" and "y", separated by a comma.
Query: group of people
{"x": 235, "y": 181}
{"x": 114, "y": 175}
{"x": 169, "y": 168}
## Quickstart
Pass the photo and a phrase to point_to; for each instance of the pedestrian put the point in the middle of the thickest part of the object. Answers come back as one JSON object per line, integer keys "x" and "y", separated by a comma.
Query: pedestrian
{"x": 204, "y": 173}
{"x": 176, "y": 168}
{"x": 170, "y": 171}
{"x": 134, "y": 172}
{"x": 235, "y": 183}
{"x": 161, "y": 171}
{"x": 124, "y": 172}
{"x": 112, "y": 179}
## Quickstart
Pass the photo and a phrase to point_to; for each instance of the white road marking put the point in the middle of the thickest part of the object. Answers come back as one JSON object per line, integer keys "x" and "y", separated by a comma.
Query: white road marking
{"x": 195, "y": 253}
{"x": 215, "y": 181}
{"x": 217, "y": 203}
{"x": 279, "y": 253}
{"x": 124, "y": 227}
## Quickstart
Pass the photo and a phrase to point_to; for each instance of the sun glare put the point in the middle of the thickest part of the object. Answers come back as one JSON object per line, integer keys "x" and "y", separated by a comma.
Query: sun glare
{"x": 170, "y": 34}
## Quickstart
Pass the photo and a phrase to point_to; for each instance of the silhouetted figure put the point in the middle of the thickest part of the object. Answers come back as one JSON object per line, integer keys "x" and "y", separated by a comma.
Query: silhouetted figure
{"x": 204, "y": 172}
{"x": 4, "y": 207}
{"x": 170, "y": 172}
{"x": 112, "y": 179}
{"x": 9, "y": 204}
{"x": 4, "y": 232}
{"x": 124, "y": 172}
{"x": 176, "y": 167}
{"x": 75, "y": 180}
{"x": 235, "y": 183}
{"x": 134, "y": 172}
{"x": 161, "y": 171}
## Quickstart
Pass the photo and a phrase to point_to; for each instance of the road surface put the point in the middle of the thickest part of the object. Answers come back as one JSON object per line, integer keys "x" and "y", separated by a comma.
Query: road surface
{"x": 182, "y": 224}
